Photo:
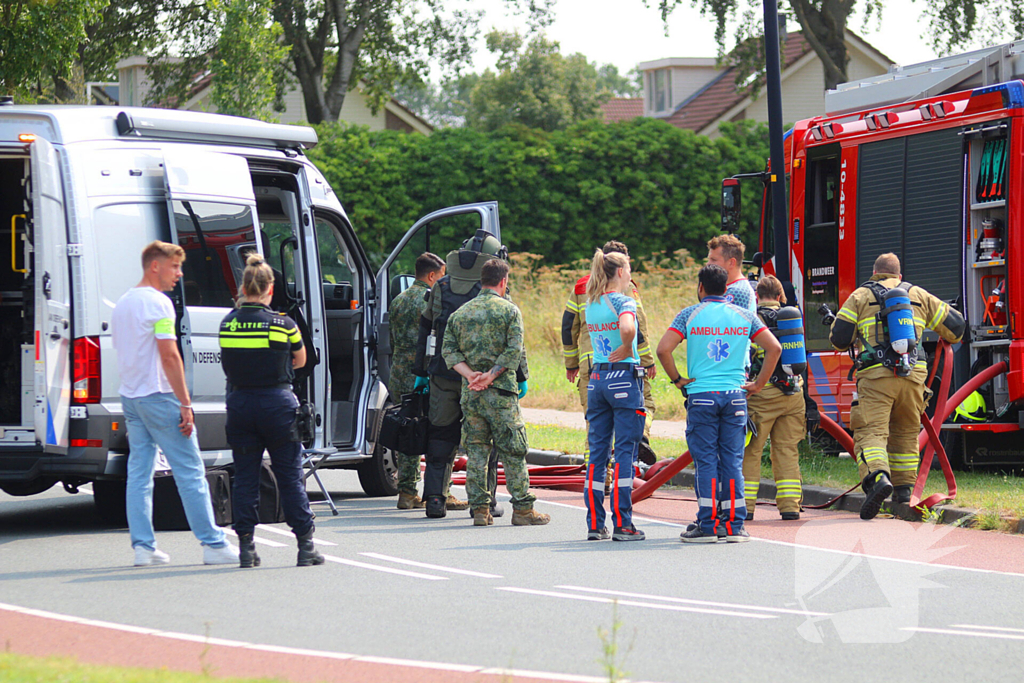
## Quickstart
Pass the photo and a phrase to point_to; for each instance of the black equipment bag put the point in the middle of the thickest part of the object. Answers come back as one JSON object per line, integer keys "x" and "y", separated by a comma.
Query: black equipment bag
{"x": 270, "y": 509}
{"x": 404, "y": 427}
{"x": 168, "y": 513}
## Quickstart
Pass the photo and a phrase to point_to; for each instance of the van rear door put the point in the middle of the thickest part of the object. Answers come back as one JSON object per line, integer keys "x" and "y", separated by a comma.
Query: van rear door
{"x": 53, "y": 299}
{"x": 435, "y": 232}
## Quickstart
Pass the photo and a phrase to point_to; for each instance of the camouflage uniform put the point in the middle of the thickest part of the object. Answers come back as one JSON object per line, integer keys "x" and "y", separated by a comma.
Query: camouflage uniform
{"x": 485, "y": 332}
{"x": 404, "y": 317}
{"x": 576, "y": 351}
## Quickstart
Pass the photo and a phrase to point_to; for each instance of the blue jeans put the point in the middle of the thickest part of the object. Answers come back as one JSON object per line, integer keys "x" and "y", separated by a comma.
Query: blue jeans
{"x": 715, "y": 430}
{"x": 153, "y": 421}
{"x": 615, "y": 404}
{"x": 261, "y": 419}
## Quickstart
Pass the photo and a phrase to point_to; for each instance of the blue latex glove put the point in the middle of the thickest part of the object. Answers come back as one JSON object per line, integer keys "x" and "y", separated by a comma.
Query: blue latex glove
{"x": 522, "y": 389}
{"x": 422, "y": 385}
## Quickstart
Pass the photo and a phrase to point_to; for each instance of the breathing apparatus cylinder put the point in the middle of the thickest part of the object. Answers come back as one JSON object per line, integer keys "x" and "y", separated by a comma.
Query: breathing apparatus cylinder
{"x": 790, "y": 332}
{"x": 900, "y": 321}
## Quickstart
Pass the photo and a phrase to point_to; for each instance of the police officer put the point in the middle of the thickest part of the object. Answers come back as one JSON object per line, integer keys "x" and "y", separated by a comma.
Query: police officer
{"x": 886, "y": 412}
{"x": 778, "y": 412}
{"x": 404, "y": 319}
{"x": 484, "y": 344}
{"x": 578, "y": 354}
{"x": 615, "y": 401}
{"x": 460, "y": 284}
{"x": 259, "y": 351}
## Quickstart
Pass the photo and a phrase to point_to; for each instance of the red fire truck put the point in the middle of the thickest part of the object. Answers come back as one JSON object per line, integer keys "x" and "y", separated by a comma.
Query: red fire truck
{"x": 902, "y": 164}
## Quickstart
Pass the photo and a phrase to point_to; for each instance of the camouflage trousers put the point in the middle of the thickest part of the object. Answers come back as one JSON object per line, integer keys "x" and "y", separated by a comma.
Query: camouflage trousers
{"x": 408, "y": 473}
{"x": 492, "y": 419}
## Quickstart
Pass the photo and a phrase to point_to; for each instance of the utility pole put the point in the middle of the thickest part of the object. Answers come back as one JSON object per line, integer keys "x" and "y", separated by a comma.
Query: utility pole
{"x": 780, "y": 215}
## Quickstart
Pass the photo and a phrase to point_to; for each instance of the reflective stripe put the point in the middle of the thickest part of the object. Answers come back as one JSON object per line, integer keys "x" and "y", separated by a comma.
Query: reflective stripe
{"x": 571, "y": 353}
{"x": 164, "y": 326}
{"x": 847, "y": 314}
{"x": 263, "y": 343}
{"x": 705, "y": 502}
{"x": 277, "y": 337}
{"x": 572, "y": 306}
{"x": 940, "y": 314}
{"x": 903, "y": 462}
{"x": 734, "y": 504}
{"x": 626, "y": 481}
{"x": 874, "y": 454}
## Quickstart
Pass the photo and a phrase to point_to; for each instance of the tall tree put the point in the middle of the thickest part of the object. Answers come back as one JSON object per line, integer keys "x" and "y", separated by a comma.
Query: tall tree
{"x": 337, "y": 43}
{"x": 823, "y": 24}
{"x": 246, "y": 59}
{"x": 535, "y": 86}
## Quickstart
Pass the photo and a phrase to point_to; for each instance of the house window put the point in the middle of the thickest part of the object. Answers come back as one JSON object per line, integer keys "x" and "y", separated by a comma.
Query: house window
{"x": 659, "y": 90}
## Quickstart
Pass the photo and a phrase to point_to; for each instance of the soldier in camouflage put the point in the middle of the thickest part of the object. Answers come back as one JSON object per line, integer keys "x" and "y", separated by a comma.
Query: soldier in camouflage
{"x": 404, "y": 317}
{"x": 484, "y": 344}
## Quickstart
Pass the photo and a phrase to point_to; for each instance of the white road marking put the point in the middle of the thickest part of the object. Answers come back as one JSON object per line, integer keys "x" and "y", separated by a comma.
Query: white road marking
{"x": 261, "y": 541}
{"x": 633, "y": 603}
{"x": 976, "y": 634}
{"x": 389, "y": 570}
{"x": 460, "y": 668}
{"x": 282, "y": 532}
{"x": 811, "y": 547}
{"x": 988, "y": 628}
{"x": 643, "y": 596}
{"x": 83, "y": 489}
{"x": 424, "y": 565}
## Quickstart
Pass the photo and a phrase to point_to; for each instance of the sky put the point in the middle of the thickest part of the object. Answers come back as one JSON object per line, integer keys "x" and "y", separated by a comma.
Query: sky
{"x": 624, "y": 32}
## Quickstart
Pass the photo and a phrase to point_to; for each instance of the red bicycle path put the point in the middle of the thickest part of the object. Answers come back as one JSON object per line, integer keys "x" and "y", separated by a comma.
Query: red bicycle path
{"x": 32, "y": 632}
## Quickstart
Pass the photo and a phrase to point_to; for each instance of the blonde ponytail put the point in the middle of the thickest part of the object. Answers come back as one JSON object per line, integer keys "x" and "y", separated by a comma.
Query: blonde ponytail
{"x": 602, "y": 270}
{"x": 257, "y": 277}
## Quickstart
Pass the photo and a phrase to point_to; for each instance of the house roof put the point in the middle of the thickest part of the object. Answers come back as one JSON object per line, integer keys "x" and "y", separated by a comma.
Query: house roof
{"x": 720, "y": 95}
{"x": 622, "y": 109}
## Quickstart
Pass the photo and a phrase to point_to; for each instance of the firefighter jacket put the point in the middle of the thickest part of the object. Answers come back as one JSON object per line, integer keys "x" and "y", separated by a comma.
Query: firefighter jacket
{"x": 757, "y": 353}
{"x": 857, "y": 325}
{"x": 575, "y": 340}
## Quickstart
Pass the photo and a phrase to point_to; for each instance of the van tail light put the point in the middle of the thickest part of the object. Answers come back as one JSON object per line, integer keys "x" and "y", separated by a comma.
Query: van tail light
{"x": 86, "y": 388}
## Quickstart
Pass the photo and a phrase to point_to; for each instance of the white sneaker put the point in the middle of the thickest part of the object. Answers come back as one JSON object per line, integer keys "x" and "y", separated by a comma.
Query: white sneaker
{"x": 144, "y": 557}
{"x": 226, "y": 555}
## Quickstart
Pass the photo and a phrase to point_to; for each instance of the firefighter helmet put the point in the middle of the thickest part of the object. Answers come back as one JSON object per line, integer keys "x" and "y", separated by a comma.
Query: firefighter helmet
{"x": 972, "y": 409}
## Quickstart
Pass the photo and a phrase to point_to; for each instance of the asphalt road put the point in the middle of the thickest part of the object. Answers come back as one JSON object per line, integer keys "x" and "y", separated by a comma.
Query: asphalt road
{"x": 829, "y": 598}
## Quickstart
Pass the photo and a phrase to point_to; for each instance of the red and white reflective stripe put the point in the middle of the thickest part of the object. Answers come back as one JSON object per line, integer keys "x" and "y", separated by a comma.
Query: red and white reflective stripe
{"x": 590, "y": 497}
{"x": 618, "y": 514}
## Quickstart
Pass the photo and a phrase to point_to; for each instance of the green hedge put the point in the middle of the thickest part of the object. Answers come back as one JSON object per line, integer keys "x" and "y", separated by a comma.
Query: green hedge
{"x": 652, "y": 185}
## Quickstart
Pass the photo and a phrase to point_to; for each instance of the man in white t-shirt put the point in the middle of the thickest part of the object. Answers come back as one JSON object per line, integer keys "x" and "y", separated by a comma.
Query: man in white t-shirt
{"x": 158, "y": 410}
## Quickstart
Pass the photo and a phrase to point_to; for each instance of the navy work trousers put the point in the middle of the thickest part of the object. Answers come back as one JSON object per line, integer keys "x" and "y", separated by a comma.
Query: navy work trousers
{"x": 615, "y": 405}
{"x": 258, "y": 420}
{"x": 715, "y": 430}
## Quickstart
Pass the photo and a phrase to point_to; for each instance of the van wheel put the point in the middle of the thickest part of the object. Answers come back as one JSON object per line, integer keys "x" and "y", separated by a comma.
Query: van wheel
{"x": 109, "y": 499}
{"x": 379, "y": 475}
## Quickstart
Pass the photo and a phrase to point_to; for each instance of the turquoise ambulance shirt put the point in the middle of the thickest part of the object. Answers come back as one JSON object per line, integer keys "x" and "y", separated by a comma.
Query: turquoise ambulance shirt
{"x": 602, "y": 319}
{"x": 741, "y": 293}
{"x": 717, "y": 336}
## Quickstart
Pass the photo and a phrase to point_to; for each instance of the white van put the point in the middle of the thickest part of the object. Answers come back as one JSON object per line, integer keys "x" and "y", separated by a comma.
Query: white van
{"x": 83, "y": 189}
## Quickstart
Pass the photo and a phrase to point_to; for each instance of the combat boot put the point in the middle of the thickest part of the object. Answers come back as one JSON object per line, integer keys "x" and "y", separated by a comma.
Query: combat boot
{"x": 308, "y": 554}
{"x": 247, "y": 556}
{"x": 645, "y": 453}
{"x": 482, "y": 517}
{"x": 877, "y": 488}
{"x": 435, "y": 507}
{"x": 497, "y": 510}
{"x": 408, "y": 501}
{"x": 453, "y": 503}
{"x": 901, "y": 494}
{"x": 529, "y": 518}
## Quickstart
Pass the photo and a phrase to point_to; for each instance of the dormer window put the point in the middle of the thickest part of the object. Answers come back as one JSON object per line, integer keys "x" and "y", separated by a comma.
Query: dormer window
{"x": 659, "y": 90}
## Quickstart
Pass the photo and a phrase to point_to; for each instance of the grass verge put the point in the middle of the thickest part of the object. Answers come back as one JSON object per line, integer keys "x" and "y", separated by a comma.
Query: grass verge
{"x": 23, "y": 669}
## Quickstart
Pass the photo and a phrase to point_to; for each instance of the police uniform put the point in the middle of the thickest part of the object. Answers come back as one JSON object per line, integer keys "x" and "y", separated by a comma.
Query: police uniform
{"x": 483, "y": 333}
{"x": 778, "y": 411}
{"x": 404, "y": 317}
{"x": 577, "y": 351}
{"x": 886, "y": 413}
{"x": 615, "y": 405}
{"x": 256, "y": 354}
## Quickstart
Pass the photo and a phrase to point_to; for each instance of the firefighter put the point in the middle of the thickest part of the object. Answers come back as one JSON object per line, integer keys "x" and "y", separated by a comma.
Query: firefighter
{"x": 883, "y": 321}
{"x": 578, "y": 354}
{"x": 777, "y": 412}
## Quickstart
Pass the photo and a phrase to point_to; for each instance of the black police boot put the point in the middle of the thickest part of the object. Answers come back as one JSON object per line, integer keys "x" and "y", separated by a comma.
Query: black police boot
{"x": 435, "y": 507}
{"x": 308, "y": 554}
{"x": 877, "y": 488}
{"x": 247, "y": 556}
{"x": 901, "y": 494}
{"x": 435, "y": 476}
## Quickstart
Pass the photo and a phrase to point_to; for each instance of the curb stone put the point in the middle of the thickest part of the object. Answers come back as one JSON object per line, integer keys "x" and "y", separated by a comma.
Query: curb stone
{"x": 813, "y": 495}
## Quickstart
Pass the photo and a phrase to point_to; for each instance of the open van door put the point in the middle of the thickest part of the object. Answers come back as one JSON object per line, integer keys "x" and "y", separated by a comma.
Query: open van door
{"x": 433, "y": 232}
{"x": 53, "y": 299}
{"x": 212, "y": 211}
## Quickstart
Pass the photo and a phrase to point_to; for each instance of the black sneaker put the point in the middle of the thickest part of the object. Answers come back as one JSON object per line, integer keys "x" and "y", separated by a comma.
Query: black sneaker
{"x": 738, "y": 536}
{"x": 790, "y": 516}
{"x": 601, "y": 534}
{"x": 645, "y": 453}
{"x": 875, "y": 495}
{"x": 630, "y": 533}
{"x": 695, "y": 535}
{"x": 690, "y": 527}
{"x": 901, "y": 494}
{"x": 750, "y": 516}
